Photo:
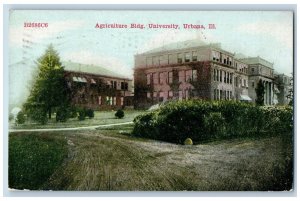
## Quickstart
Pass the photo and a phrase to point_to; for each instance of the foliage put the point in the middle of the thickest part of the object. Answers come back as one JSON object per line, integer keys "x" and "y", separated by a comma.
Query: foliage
{"x": 73, "y": 112}
{"x": 205, "y": 121}
{"x": 119, "y": 114}
{"x": 89, "y": 113}
{"x": 81, "y": 114}
{"x": 37, "y": 113}
{"x": 33, "y": 158}
{"x": 260, "y": 91}
{"x": 62, "y": 114}
{"x": 20, "y": 119}
{"x": 50, "y": 89}
{"x": 10, "y": 116}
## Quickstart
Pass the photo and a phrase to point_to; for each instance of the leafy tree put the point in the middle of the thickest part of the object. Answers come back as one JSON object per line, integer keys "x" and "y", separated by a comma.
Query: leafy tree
{"x": 260, "y": 92}
{"x": 290, "y": 95}
{"x": 50, "y": 89}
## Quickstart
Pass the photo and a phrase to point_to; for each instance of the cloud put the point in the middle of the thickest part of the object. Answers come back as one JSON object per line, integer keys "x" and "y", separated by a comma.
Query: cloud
{"x": 279, "y": 31}
{"x": 108, "y": 62}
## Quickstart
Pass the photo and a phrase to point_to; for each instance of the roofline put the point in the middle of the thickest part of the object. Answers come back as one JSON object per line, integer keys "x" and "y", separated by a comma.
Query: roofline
{"x": 105, "y": 76}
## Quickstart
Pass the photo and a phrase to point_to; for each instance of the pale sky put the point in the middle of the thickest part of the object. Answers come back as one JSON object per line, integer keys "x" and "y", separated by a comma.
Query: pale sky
{"x": 268, "y": 34}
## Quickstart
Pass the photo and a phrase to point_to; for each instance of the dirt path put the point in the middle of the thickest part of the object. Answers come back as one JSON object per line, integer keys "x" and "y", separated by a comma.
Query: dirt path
{"x": 68, "y": 129}
{"x": 101, "y": 161}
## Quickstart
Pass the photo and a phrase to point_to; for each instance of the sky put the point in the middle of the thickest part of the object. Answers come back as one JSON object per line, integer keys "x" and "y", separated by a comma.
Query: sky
{"x": 268, "y": 34}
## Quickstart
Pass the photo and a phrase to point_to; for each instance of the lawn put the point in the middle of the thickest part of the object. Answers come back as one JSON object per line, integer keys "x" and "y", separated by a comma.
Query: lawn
{"x": 110, "y": 159}
{"x": 100, "y": 118}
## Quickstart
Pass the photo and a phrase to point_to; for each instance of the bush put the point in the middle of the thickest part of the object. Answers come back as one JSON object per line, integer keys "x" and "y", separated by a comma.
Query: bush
{"x": 39, "y": 115}
{"x": 89, "y": 113}
{"x": 188, "y": 141}
{"x": 119, "y": 114}
{"x": 204, "y": 121}
{"x": 62, "y": 114}
{"x": 81, "y": 114}
{"x": 73, "y": 112}
{"x": 20, "y": 119}
{"x": 10, "y": 117}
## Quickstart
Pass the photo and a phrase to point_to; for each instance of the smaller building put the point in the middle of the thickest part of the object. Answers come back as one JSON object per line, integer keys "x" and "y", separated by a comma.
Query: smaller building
{"x": 260, "y": 69}
{"x": 96, "y": 87}
{"x": 283, "y": 88}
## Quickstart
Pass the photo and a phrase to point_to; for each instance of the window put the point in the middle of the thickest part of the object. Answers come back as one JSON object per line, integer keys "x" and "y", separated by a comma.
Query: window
{"x": 161, "y": 59}
{"x": 182, "y": 76}
{"x": 187, "y": 57}
{"x": 148, "y": 95}
{"x": 217, "y": 75}
{"x": 244, "y": 82}
{"x": 194, "y": 56}
{"x": 155, "y": 78}
{"x": 252, "y": 69}
{"x": 252, "y": 83}
{"x": 230, "y": 95}
{"x": 170, "y": 77}
{"x": 224, "y": 61}
{"x": 179, "y": 58}
{"x": 154, "y": 94}
{"x": 220, "y": 78}
{"x": 230, "y": 79}
{"x": 169, "y": 58}
{"x": 161, "y": 78}
{"x": 214, "y": 74}
{"x": 194, "y": 75}
{"x": 224, "y": 77}
{"x": 227, "y": 77}
{"x": 188, "y": 75}
{"x": 99, "y": 100}
{"x": 149, "y": 76}
{"x": 180, "y": 94}
{"x": 170, "y": 94}
{"x": 122, "y": 100}
{"x": 115, "y": 100}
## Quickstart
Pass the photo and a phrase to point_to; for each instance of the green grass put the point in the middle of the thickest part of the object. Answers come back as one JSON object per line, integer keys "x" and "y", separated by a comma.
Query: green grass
{"x": 33, "y": 158}
{"x": 107, "y": 159}
{"x": 101, "y": 118}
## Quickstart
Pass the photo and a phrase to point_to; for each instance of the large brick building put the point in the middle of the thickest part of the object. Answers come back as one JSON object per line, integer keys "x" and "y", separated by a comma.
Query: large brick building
{"x": 96, "y": 87}
{"x": 189, "y": 69}
{"x": 192, "y": 69}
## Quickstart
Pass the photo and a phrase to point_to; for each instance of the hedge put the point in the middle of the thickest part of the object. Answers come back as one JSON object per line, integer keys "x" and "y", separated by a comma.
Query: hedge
{"x": 204, "y": 120}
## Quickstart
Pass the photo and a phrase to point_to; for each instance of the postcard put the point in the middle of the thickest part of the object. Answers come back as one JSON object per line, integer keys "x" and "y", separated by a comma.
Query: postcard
{"x": 151, "y": 100}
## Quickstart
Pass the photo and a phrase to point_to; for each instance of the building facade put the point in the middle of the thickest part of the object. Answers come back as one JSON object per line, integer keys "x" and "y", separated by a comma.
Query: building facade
{"x": 189, "y": 70}
{"x": 260, "y": 69}
{"x": 192, "y": 69}
{"x": 97, "y": 88}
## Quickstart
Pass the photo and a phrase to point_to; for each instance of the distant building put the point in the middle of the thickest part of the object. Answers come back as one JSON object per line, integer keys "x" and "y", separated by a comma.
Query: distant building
{"x": 260, "y": 69}
{"x": 96, "y": 87}
{"x": 189, "y": 69}
{"x": 283, "y": 87}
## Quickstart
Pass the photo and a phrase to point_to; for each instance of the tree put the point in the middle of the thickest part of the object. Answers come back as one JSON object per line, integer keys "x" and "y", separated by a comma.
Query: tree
{"x": 290, "y": 95}
{"x": 260, "y": 92}
{"x": 50, "y": 89}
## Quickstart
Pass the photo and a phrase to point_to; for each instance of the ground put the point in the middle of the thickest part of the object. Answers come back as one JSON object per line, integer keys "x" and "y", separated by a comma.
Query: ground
{"x": 110, "y": 159}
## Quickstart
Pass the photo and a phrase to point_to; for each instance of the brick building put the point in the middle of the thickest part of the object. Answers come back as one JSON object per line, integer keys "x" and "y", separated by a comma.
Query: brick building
{"x": 190, "y": 69}
{"x": 96, "y": 87}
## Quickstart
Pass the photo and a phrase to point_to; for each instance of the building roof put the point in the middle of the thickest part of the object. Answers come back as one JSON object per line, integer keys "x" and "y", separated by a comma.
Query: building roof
{"x": 177, "y": 45}
{"x": 257, "y": 60}
{"x": 186, "y": 45}
{"x": 91, "y": 69}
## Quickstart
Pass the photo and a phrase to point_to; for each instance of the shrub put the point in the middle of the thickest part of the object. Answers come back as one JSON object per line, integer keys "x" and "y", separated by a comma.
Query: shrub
{"x": 188, "y": 141}
{"x": 89, "y": 113}
{"x": 73, "y": 112}
{"x": 119, "y": 114}
{"x": 10, "y": 117}
{"x": 20, "y": 119}
{"x": 39, "y": 115}
{"x": 204, "y": 121}
{"x": 62, "y": 114}
{"x": 81, "y": 114}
